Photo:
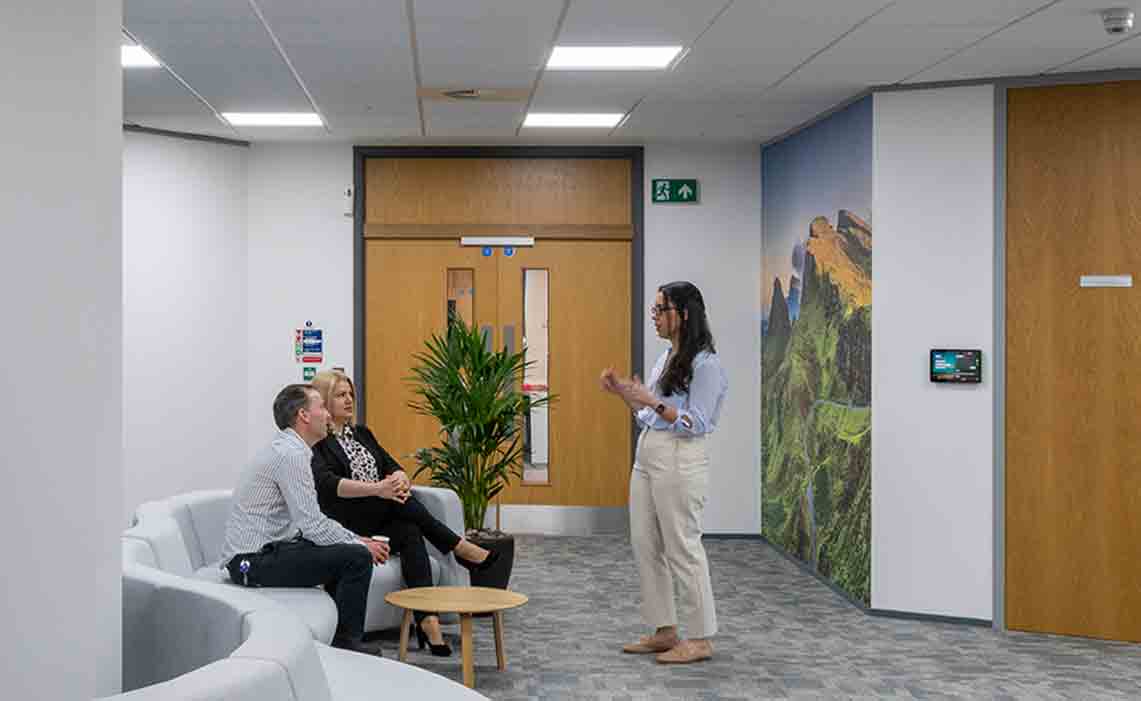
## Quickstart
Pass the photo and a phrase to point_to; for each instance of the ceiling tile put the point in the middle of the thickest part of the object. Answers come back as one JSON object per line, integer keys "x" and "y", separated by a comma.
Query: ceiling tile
{"x": 1126, "y": 54}
{"x": 355, "y": 57}
{"x": 474, "y": 118}
{"x": 637, "y": 22}
{"x": 221, "y": 49}
{"x": 153, "y": 91}
{"x": 1053, "y": 37}
{"x": 901, "y": 41}
{"x": 565, "y": 91}
{"x": 484, "y": 43}
{"x": 754, "y": 44}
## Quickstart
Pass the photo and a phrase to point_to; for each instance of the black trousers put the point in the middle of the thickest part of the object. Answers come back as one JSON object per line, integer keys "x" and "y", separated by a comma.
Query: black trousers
{"x": 407, "y": 525}
{"x": 344, "y": 570}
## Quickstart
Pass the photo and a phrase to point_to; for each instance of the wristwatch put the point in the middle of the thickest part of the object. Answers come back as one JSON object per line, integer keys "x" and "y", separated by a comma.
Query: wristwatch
{"x": 660, "y": 408}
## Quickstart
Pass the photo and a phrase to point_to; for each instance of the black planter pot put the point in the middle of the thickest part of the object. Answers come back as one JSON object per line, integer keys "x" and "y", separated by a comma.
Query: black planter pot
{"x": 499, "y": 574}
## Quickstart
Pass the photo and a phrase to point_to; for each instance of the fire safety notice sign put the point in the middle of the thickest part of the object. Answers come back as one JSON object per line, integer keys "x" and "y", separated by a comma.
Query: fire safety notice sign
{"x": 309, "y": 345}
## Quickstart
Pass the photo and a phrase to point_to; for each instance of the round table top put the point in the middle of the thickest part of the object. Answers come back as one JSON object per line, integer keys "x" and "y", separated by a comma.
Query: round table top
{"x": 456, "y": 599}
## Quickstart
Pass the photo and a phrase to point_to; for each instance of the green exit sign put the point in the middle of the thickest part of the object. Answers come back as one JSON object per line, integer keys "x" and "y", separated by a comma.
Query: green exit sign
{"x": 675, "y": 190}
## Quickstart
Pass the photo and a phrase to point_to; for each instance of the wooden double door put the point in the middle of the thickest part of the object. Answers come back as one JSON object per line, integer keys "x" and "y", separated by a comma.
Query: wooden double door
{"x": 412, "y": 285}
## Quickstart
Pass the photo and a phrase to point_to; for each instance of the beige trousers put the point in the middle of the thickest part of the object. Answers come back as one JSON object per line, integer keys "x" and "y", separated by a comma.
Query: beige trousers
{"x": 667, "y": 496}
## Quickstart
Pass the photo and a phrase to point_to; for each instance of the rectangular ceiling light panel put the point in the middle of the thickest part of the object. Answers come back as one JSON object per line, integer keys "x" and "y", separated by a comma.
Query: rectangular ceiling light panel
{"x": 273, "y": 119}
{"x": 134, "y": 56}
{"x": 611, "y": 58}
{"x": 604, "y": 120}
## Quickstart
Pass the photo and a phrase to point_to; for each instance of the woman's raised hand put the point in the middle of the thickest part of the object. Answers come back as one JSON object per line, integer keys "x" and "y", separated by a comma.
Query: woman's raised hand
{"x": 608, "y": 381}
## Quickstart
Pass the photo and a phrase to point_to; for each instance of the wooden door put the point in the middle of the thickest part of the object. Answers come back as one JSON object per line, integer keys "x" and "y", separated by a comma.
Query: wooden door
{"x": 1073, "y": 394}
{"x": 588, "y": 328}
{"x": 407, "y": 291}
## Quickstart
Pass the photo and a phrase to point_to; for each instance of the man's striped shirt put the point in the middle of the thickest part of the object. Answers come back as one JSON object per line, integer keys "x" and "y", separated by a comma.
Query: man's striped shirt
{"x": 275, "y": 498}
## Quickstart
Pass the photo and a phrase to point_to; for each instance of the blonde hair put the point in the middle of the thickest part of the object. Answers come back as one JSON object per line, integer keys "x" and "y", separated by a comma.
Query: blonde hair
{"x": 326, "y": 381}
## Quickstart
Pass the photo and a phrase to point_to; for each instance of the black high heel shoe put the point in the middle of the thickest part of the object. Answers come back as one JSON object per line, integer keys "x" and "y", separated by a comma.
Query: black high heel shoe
{"x": 441, "y": 650}
{"x": 491, "y": 559}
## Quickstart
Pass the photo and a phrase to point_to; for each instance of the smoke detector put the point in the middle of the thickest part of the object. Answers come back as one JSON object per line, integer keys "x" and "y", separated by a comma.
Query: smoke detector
{"x": 1118, "y": 20}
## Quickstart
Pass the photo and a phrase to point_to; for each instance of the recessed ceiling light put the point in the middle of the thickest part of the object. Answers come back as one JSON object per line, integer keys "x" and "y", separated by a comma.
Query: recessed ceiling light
{"x": 611, "y": 58}
{"x": 557, "y": 119}
{"x": 134, "y": 56}
{"x": 273, "y": 119}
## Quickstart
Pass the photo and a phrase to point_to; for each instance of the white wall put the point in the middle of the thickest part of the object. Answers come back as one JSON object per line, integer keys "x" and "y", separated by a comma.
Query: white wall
{"x": 60, "y": 273}
{"x": 932, "y": 460}
{"x": 184, "y": 315}
{"x": 300, "y": 267}
{"x": 716, "y": 245}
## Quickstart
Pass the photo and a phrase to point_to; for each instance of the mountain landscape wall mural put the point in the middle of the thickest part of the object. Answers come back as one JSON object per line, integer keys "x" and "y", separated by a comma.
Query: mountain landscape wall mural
{"x": 816, "y": 355}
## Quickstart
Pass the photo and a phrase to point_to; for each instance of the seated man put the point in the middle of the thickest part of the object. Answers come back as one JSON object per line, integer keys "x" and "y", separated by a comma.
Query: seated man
{"x": 275, "y": 490}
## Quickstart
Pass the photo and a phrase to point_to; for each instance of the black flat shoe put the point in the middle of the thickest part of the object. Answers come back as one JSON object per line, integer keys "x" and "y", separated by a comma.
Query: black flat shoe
{"x": 441, "y": 650}
{"x": 491, "y": 559}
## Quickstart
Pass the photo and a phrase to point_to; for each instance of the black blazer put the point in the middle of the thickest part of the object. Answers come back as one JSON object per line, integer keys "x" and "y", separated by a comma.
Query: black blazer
{"x": 361, "y": 515}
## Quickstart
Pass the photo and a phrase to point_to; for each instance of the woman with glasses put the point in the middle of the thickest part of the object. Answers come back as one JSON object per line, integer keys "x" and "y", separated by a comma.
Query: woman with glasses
{"x": 676, "y": 409}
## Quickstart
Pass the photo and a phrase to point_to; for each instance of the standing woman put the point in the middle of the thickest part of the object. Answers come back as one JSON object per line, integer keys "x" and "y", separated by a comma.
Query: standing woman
{"x": 679, "y": 407}
{"x": 360, "y": 485}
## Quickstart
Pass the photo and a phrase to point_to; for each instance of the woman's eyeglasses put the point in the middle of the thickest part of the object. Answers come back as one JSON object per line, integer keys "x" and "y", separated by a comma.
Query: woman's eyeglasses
{"x": 656, "y": 309}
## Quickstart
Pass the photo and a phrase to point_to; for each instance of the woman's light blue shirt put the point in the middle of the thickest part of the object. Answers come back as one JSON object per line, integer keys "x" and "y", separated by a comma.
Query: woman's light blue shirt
{"x": 699, "y": 409}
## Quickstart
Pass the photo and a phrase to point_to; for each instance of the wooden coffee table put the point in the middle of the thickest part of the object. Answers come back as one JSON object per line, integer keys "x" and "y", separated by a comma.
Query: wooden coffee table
{"x": 465, "y": 601}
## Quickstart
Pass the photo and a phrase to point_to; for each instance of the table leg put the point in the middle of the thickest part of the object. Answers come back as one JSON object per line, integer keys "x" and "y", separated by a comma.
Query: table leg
{"x": 404, "y": 626}
{"x": 500, "y": 653}
{"x": 466, "y": 647}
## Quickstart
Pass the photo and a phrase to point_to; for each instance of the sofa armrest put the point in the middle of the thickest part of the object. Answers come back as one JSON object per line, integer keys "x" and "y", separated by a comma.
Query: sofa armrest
{"x": 445, "y": 505}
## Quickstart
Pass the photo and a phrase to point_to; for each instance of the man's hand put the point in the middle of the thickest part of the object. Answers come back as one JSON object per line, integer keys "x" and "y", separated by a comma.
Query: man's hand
{"x": 378, "y": 549}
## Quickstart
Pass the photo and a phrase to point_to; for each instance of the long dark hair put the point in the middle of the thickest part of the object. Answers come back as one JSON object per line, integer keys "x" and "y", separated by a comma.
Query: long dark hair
{"x": 695, "y": 335}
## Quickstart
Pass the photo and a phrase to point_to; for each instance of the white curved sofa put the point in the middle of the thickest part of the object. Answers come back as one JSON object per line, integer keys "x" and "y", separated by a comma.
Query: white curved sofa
{"x": 191, "y": 640}
{"x": 183, "y": 535}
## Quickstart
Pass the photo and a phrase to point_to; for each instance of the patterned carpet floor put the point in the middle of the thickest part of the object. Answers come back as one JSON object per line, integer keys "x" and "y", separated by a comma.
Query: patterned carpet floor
{"x": 783, "y": 635}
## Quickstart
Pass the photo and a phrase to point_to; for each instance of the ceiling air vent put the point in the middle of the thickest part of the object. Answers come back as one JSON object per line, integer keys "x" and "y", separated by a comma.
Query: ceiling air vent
{"x": 474, "y": 94}
{"x": 464, "y": 94}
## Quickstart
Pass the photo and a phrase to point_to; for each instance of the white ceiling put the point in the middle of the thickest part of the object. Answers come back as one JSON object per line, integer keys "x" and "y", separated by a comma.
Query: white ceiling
{"x": 756, "y": 68}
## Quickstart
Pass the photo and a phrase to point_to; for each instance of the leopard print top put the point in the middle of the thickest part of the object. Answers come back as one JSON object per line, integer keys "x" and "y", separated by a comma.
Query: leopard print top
{"x": 361, "y": 462}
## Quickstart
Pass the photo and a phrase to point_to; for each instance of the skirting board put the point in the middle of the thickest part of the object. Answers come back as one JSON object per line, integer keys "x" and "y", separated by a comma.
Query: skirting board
{"x": 882, "y": 613}
{"x": 533, "y": 519}
{"x": 560, "y": 520}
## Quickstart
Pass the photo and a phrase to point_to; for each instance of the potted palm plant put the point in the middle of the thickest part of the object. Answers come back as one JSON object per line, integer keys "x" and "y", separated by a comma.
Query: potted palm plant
{"x": 474, "y": 394}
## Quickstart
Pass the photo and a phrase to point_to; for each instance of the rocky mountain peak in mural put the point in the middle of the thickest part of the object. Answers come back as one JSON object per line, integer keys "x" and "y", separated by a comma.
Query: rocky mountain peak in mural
{"x": 779, "y": 324}
{"x": 845, "y": 220}
{"x": 845, "y": 255}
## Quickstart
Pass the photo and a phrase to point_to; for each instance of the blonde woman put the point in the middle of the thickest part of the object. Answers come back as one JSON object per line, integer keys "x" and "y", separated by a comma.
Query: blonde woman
{"x": 360, "y": 485}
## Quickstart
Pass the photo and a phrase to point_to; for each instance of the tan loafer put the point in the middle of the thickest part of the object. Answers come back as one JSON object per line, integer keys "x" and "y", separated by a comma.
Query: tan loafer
{"x": 685, "y": 652}
{"x": 650, "y": 644}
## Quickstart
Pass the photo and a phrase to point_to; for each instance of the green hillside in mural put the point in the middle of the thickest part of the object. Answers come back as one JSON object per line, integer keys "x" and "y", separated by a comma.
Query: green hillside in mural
{"x": 816, "y": 408}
